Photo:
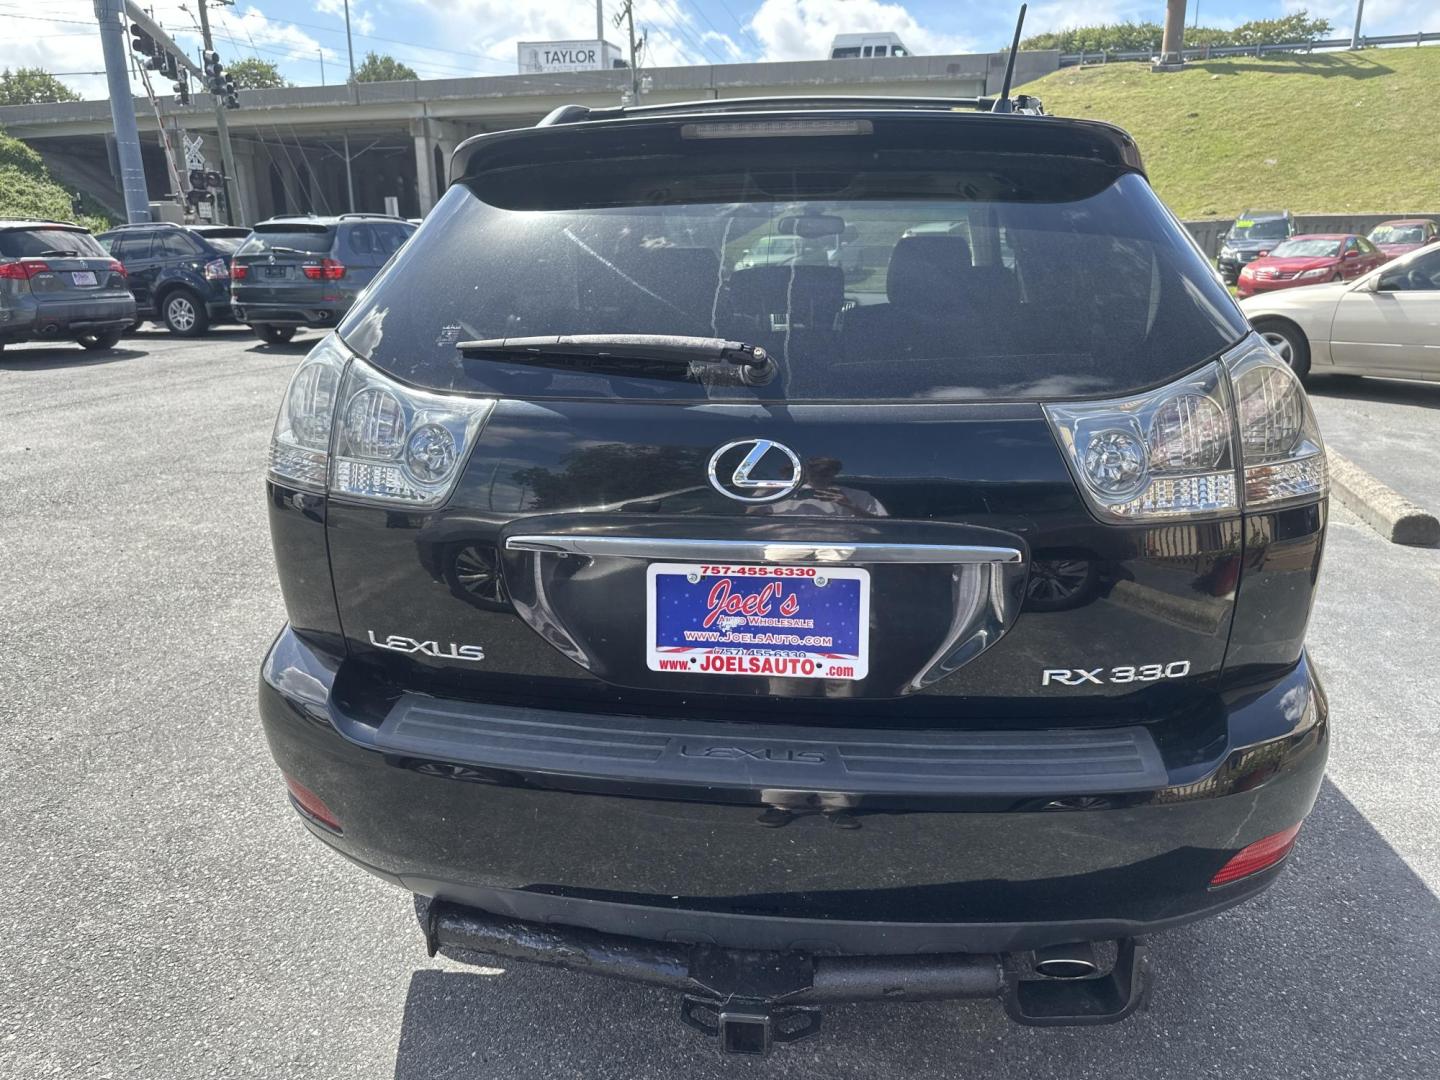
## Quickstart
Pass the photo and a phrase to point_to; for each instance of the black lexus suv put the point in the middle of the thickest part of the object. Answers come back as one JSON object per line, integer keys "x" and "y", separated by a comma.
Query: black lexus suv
{"x": 925, "y": 622}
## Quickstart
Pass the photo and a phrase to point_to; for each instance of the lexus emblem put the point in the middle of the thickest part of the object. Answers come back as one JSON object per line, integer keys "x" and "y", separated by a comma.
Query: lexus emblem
{"x": 754, "y": 470}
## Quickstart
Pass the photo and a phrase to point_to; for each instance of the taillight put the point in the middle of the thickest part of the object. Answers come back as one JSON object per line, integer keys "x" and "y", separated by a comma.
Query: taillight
{"x": 1280, "y": 445}
{"x": 238, "y": 271}
{"x": 1261, "y": 855}
{"x": 23, "y": 269}
{"x": 1165, "y": 454}
{"x": 390, "y": 444}
{"x": 216, "y": 270}
{"x": 1171, "y": 453}
{"x": 326, "y": 269}
{"x": 117, "y": 267}
{"x": 311, "y": 805}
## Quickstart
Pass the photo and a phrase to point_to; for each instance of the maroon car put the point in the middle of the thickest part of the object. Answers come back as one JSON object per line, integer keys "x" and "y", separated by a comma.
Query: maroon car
{"x": 1310, "y": 260}
{"x": 1403, "y": 234}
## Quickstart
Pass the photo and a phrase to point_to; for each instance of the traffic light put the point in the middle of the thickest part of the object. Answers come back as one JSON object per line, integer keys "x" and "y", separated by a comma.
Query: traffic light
{"x": 182, "y": 89}
{"x": 197, "y": 178}
{"x": 232, "y": 99}
{"x": 214, "y": 71}
{"x": 141, "y": 42}
{"x": 170, "y": 68}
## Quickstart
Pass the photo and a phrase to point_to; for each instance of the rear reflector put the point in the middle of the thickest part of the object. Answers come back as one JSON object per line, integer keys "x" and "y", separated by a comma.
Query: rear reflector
{"x": 311, "y": 806}
{"x": 1261, "y": 855}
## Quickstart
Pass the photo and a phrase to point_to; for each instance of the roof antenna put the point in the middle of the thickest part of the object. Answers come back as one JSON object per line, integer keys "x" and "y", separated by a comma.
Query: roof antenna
{"x": 1002, "y": 103}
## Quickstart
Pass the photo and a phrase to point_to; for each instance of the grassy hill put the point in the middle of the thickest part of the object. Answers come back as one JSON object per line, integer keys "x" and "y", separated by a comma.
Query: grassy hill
{"x": 27, "y": 190}
{"x": 1332, "y": 132}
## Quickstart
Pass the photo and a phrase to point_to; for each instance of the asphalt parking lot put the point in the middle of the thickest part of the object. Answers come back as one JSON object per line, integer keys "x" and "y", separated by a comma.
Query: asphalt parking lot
{"x": 165, "y": 915}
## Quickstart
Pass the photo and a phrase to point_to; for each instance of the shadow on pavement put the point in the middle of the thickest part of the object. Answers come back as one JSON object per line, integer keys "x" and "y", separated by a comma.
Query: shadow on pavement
{"x": 64, "y": 356}
{"x": 1388, "y": 391}
{"x": 1331, "y": 974}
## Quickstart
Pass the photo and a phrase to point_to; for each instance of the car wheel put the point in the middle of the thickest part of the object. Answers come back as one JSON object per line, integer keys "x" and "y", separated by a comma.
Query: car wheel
{"x": 184, "y": 314}
{"x": 100, "y": 342}
{"x": 274, "y": 335}
{"x": 1287, "y": 340}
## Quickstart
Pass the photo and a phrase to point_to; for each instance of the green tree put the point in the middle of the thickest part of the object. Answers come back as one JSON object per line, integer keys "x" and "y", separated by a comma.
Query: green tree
{"x": 256, "y": 74}
{"x": 32, "y": 86}
{"x": 1136, "y": 37}
{"x": 378, "y": 68}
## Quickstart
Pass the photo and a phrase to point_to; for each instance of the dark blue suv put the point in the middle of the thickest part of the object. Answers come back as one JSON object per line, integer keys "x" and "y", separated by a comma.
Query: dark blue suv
{"x": 180, "y": 275}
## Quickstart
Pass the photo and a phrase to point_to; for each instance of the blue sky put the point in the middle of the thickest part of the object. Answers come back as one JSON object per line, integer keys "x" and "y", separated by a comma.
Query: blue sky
{"x": 447, "y": 38}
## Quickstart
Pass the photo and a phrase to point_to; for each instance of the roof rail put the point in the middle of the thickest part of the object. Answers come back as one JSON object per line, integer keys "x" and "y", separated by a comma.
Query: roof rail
{"x": 367, "y": 214}
{"x": 144, "y": 225}
{"x": 579, "y": 114}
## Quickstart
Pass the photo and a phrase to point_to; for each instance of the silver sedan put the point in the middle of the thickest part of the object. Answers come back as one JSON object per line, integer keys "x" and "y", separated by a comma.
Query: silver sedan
{"x": 1385, "y": 323}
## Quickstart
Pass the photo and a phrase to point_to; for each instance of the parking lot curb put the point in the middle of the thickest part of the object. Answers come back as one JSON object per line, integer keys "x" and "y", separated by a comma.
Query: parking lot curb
{"x": 1389, "y": 513}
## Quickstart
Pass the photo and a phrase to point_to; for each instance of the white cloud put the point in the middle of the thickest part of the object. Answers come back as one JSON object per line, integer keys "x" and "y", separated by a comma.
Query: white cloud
{"x": 270, "y": 38}
{"x": 1381, "y": 16}
{"x": 362, "y": 19}
{"x": 802, "y": 29}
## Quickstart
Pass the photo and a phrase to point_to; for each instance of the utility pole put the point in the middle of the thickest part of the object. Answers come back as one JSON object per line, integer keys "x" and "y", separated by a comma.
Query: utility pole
{"x": 349, "y": 42}
{"x": 222, "y": 129}
{"x": 1359, "y": 17}
{"x": 1172, "y": 46}
{"x": 600, "y": 20}
{"x": 321, "y": 53}
{"x": 122, "y": 111}
{"x": 627, "y": 15}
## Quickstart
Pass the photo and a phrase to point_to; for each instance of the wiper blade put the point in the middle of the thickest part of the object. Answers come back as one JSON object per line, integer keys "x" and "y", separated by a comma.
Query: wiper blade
{"x": 656, "y": 356}
{"x": 58, "y": 251}
{"x": 281, "y": 249}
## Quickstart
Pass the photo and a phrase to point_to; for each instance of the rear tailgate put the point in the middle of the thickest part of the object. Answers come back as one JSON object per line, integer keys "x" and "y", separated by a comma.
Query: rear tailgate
{"x": 65, "y": 266}
{"x": 600, "y": 510}
{"x": 272, "y": 264}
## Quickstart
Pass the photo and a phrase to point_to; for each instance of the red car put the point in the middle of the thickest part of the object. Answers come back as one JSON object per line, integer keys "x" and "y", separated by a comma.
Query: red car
{"x": 1403, "y": 234}
{"x": 1310, "y": 260}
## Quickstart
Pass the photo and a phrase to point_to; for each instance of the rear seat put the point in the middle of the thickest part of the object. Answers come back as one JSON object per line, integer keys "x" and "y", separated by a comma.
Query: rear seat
{"x": 765, "y": 302}
{"x": 932, "y": 288}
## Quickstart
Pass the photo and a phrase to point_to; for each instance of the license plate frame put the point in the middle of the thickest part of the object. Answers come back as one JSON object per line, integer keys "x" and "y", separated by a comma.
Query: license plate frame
{"x": 276, "y": 272}
{"x": 84, "y": 278}
{"x": 819, "y": 635}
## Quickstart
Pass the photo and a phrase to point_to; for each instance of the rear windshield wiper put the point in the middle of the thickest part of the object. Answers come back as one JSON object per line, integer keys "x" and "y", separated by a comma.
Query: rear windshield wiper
{"x": 283, "y": 250}
{"x": 652, "y": 356}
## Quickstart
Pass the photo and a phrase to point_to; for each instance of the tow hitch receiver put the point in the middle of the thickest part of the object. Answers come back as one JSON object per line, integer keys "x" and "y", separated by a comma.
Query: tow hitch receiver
{"x": 749, "y": 1001}
{"x": 748, "y": 1027}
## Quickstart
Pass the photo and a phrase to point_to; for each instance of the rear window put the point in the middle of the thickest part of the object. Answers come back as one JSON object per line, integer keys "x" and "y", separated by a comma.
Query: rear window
{"x": 1398, "y": 234}
{"x": 1293, "y": 249}
{"x": 868, "y": 275}
{"x": 1274, "y": 229}
{"x": 34, "y": 243}
{"x": 225, "y": 244}
{"x": 307, "y": 239}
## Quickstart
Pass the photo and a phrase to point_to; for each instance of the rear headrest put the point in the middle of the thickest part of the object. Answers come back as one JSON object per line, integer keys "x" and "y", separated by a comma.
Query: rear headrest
{"x": 926, "y": 271}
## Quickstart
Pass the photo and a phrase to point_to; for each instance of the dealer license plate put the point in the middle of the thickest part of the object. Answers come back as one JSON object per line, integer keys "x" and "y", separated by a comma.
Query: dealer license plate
{"x": 805, "y": 622}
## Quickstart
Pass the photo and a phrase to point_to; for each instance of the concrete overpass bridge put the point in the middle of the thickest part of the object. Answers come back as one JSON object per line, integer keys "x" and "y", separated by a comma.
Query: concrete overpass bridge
{"x": 294, "y": 147}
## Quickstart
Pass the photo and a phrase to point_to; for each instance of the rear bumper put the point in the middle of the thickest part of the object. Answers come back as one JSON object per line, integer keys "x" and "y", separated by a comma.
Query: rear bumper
{"x": 312, "y": 315}
{"x": 37, "y": 320}
{"x": 619, "y": 829}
